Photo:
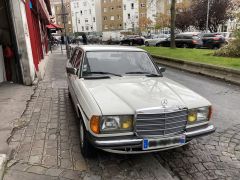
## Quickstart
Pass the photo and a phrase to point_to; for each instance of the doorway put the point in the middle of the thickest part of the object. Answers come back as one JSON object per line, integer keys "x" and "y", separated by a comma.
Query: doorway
{"x": 9, "y": 61}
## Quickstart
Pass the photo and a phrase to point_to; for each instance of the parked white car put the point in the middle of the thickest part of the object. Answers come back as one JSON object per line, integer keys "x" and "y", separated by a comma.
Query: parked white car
{"x": 125, "y": 105}
{"x": 155, "y": 39}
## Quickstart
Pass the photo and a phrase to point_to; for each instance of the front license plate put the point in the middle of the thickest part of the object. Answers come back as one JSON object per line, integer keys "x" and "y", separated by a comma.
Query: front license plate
{"x": 149, "y": 144}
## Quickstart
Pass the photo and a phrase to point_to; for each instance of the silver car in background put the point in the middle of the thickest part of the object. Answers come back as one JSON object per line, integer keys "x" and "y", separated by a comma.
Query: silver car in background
{"x": 154, "y": 39}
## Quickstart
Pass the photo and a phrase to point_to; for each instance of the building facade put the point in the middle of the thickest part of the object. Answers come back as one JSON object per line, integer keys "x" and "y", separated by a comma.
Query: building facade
{"x": 86, "y": 15}
{"x": 62, "y": 14}
{"x": 130, "y": 15}
{"x": 112, "y": 15}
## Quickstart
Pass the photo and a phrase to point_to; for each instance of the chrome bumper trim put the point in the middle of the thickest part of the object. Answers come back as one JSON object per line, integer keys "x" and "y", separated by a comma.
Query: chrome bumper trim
{"x": 201, "y": 132}
{"x": 110, "y": 144}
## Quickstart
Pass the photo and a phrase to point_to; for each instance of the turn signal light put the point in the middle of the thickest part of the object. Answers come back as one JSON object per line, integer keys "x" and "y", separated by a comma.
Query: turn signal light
{"x": 210, "y": 113}
{"x": 95, "y": 124}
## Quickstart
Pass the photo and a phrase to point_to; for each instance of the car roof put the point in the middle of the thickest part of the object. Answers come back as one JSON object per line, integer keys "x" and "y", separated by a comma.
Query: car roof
{"x": 109, "y": 48}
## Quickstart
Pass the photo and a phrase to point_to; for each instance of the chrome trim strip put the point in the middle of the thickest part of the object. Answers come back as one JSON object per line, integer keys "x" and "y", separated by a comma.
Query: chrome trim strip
{"x": 141, "y": 119}
{"x": 165, "y": 129}
{"x": 122, "y": 142}
{"x": 159, "y": 110}
{"x": 207, "y": 130}
{"x": 183, "y": 121}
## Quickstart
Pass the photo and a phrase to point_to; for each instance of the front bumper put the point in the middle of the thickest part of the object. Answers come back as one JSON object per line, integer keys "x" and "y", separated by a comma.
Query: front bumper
{"x": 133, "y": 144}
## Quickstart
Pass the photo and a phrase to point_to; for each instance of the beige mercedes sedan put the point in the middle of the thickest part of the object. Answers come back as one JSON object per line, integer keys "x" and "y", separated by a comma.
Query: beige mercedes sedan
{"x": 125, "y": 104}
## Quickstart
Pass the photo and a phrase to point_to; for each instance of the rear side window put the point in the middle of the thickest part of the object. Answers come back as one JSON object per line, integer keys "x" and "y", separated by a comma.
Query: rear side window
{"x": 78, "y": 59}
{"x": 178, "y": 37}
{"x": 187, "y": 37}
{"x": 208, "y": 35}
{"x": 196, "y": 37}
{"x": 74, "y": 56}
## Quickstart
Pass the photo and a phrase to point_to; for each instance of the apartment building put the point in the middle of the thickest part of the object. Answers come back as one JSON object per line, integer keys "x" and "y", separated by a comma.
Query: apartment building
{"x": 130, "y": 14}
{"x": 115, "y": 15}
{"x": 62, "y": 14}
{"x": 112, "y": 15}
{"x": 86, "y": 15}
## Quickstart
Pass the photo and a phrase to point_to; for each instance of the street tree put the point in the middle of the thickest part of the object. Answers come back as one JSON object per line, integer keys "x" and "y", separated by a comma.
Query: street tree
{"x": 183, "y": 15}
{"x": 144, "y": 23}
{"x": 218, "y": 13}
{"x": 162, "y": 21}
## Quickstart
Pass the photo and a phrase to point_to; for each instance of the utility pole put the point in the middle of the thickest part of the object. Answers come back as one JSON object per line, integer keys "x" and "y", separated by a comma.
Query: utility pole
{"x": 208, "y": 8}
{"x": 64, "y": 14}
{"x": 173, "y": 19}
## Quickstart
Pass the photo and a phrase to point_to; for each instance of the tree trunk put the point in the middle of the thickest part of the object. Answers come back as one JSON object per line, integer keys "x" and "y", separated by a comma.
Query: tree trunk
{"x": 173, "y": 20}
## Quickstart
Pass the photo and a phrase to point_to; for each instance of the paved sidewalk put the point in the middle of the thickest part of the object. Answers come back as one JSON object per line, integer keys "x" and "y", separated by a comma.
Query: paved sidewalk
{"x": 13, "y": 101}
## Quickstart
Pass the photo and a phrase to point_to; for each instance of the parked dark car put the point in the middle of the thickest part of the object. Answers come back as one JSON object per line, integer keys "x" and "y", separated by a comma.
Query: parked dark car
{"x": 213, "y": 40}
{"x": 185, "y": 40}
{"x": 133, "y": 40}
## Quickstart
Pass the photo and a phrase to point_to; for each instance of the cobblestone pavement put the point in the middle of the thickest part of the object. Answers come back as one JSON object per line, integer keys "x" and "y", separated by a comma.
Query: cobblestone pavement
{"x": 47, "y": 145}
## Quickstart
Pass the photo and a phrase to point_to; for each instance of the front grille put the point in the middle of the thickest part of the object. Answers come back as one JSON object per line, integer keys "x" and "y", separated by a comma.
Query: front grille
{"x": 164, "y": 124}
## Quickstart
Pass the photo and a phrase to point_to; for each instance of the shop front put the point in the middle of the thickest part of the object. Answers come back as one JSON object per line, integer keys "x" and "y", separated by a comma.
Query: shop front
{"x": 10, "y": 68}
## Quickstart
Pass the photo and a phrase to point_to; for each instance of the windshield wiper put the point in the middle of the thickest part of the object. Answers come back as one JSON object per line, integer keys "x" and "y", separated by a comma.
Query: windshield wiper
{"x": 147, "y": 73}
{"x": 96, "y": 77}
{"x": 100, "y": 72}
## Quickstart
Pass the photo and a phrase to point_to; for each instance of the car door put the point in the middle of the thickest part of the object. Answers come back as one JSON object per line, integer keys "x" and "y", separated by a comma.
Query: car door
{"x": 178, "y": 40}
{"x": 74, "y": 78}
{"x": 69, "y": 68}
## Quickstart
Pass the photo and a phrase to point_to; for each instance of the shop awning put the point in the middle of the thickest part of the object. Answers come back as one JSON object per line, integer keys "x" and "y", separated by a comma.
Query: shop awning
{"x": 53, "y": 26}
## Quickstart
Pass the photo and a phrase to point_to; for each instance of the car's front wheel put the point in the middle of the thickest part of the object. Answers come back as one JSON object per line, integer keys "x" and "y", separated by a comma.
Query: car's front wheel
{"x": 146, "y": 43}
{"x": 87, "y": 149}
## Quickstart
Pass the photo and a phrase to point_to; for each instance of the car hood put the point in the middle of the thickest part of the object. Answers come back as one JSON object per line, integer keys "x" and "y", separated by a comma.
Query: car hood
{"x": 125, "y": 95}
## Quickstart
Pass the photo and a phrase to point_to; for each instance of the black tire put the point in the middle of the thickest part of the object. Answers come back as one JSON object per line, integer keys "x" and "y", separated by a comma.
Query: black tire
{"x": 87, "y": 149}
{"x": 69, "y": 94}
{"x": 158, "y": 45}
{"x": 146, "y": 43}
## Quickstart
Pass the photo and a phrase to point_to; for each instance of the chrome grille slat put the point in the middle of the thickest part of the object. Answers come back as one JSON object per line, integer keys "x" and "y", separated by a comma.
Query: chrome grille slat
{"x": 162, "y": 118}
{"x": 164, "y": 124}
{"x": 161, "y": 129}
{"x": 161, "y": 124}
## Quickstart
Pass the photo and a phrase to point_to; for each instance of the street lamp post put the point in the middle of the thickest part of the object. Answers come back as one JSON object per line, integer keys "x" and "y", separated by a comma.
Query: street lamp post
{"x": 76, "y": 13}
{"x": 208, "y": 8}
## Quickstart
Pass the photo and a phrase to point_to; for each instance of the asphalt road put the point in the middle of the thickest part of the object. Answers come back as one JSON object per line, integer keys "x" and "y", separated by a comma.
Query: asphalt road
{"x": 225, "y": 97}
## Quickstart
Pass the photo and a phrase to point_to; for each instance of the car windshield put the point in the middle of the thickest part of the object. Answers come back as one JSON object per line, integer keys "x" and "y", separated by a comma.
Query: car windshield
{"x": 118, "y": 63}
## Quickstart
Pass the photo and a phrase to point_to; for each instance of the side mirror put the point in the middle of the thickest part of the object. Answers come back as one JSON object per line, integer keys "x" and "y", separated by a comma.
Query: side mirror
{"x": 71, "y": 70}
{"x": 162, "y": 69}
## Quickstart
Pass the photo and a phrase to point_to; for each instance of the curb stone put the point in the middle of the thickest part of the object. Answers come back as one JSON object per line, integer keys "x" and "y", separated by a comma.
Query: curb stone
{"x": 227, "y": 74}
{"x": 3, "y": 160}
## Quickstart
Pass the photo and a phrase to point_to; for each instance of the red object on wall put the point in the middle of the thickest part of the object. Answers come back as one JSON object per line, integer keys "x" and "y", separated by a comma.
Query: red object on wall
{"x": 37, "y": 20}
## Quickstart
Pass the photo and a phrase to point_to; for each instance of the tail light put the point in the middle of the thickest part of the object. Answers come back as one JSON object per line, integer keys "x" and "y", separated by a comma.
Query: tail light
{"x": 194, "y": 42}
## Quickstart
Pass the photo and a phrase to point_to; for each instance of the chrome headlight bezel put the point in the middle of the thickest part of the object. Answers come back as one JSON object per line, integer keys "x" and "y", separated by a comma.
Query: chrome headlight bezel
{"x": 201, "y": 114}
{"x": 116, "y": 124}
